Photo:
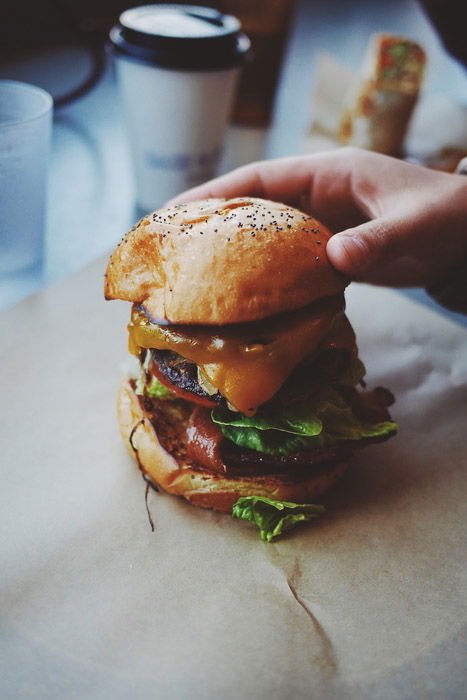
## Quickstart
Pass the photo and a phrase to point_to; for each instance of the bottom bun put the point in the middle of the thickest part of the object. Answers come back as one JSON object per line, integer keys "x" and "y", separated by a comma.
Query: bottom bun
{"x": 170, "y": 468}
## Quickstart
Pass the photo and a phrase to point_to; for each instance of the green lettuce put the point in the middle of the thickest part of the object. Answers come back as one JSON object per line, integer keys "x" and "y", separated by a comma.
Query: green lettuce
{"x": 274, "y": 517}
{"x": 155, "y": 389}
{"x": 325, "y": 420}
{"x": 298, "y": 420}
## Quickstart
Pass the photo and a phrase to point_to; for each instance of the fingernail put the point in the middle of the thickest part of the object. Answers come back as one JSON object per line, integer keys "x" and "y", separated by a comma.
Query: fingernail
{"x": 345, "y": 252}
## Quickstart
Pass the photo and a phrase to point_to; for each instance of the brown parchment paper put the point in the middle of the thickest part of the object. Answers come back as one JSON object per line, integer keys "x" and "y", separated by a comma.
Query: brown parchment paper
{"x": 368, "y": 602}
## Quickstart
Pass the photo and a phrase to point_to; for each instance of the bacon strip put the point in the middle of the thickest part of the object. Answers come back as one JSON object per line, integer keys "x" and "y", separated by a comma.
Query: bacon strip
{"x": 207, "y": 446}
{"x": 204, "y": 439}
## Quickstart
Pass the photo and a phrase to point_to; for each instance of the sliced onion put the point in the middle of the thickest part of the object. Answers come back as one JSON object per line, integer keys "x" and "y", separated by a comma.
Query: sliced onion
{"x": 205, "y": 384}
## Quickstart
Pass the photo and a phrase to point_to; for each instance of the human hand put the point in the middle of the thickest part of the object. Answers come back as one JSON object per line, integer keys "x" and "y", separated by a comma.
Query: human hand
{"x": 396, "y": 223}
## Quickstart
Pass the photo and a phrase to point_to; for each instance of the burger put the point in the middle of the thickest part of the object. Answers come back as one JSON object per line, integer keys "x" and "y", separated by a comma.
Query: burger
{"x": 248, "y": 395}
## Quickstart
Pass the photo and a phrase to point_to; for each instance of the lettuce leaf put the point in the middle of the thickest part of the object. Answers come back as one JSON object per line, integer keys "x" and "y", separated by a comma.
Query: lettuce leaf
{"x": 270, "y": 442}
{"x": 153, "y": 388}
{"x": 301, "y": 420}
{"x": 274, "y": 517}
{"x": 156, "y": 390}
{"x": 326, "y": 419}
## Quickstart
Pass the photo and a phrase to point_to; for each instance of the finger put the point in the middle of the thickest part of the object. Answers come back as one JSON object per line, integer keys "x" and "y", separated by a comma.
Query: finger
{"x": 282, "y": 178}
{"x": 378, "y": 252}
{"x": 320, "y": 184}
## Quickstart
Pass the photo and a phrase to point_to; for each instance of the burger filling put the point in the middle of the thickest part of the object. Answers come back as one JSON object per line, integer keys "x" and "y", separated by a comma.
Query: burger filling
{"x": 268, "y": 396}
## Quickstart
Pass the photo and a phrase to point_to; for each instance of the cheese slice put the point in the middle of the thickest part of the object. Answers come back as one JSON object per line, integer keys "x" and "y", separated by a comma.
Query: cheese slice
{"x": 248, "y": 363}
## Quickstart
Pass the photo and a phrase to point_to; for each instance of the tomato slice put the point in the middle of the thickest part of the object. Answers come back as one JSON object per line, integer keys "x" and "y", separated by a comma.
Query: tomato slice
{"x": 182, "y": 393}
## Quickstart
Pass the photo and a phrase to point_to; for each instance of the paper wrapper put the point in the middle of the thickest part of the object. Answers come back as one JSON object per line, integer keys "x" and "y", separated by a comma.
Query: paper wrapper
{"x": 367, "y": 602}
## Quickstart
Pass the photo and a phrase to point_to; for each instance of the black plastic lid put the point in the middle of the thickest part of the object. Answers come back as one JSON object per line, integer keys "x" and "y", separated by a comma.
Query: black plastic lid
{"x": 183, "y": 37}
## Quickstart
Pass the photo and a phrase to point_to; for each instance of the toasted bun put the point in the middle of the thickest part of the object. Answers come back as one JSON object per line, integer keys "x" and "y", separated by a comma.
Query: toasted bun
{"x": 222, "y": 261}
{"x": 175, "y": 474}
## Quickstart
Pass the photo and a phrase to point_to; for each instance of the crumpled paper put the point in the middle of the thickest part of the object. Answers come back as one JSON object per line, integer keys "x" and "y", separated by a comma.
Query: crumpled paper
{"x": 367, "y": 602}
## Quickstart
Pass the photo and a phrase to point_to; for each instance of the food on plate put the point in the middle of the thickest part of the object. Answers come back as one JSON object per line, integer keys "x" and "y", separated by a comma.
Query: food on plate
{"x": 248, "y": 395}
{"x": 379, "y": 106}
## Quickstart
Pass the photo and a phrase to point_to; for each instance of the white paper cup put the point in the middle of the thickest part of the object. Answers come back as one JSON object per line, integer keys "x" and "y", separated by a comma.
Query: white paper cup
{"x": 177, "y": 67}
{"x": 25, "y": 130}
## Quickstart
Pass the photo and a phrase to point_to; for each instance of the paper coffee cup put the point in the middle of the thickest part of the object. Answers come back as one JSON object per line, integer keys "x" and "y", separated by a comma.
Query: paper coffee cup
{"x": 177, "y": 67}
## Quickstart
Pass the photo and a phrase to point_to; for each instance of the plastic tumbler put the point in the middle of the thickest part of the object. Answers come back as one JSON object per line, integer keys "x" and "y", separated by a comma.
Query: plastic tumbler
{"x": 25, "y": 130}
{"x": 177, "y": 66}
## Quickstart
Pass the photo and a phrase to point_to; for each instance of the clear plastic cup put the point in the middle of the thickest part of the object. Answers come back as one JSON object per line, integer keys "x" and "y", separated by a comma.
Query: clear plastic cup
{"x": 25, "y": 131}
{"x": 177, "y": 66}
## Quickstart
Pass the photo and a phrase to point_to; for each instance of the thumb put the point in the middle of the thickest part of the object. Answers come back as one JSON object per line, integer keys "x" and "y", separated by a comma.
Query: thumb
{"x": 370, "y": 253}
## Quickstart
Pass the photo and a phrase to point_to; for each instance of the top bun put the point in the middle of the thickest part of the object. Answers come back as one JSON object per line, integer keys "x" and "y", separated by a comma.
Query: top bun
{"x": 220, "y": 261}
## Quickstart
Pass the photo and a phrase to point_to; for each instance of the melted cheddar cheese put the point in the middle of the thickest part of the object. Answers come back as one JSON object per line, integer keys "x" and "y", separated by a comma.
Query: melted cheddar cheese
{"x": 248, "y": 363}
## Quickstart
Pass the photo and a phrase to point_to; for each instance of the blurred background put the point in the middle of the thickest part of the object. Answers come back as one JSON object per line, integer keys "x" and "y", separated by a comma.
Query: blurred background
{"x": 302, "y": 52}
